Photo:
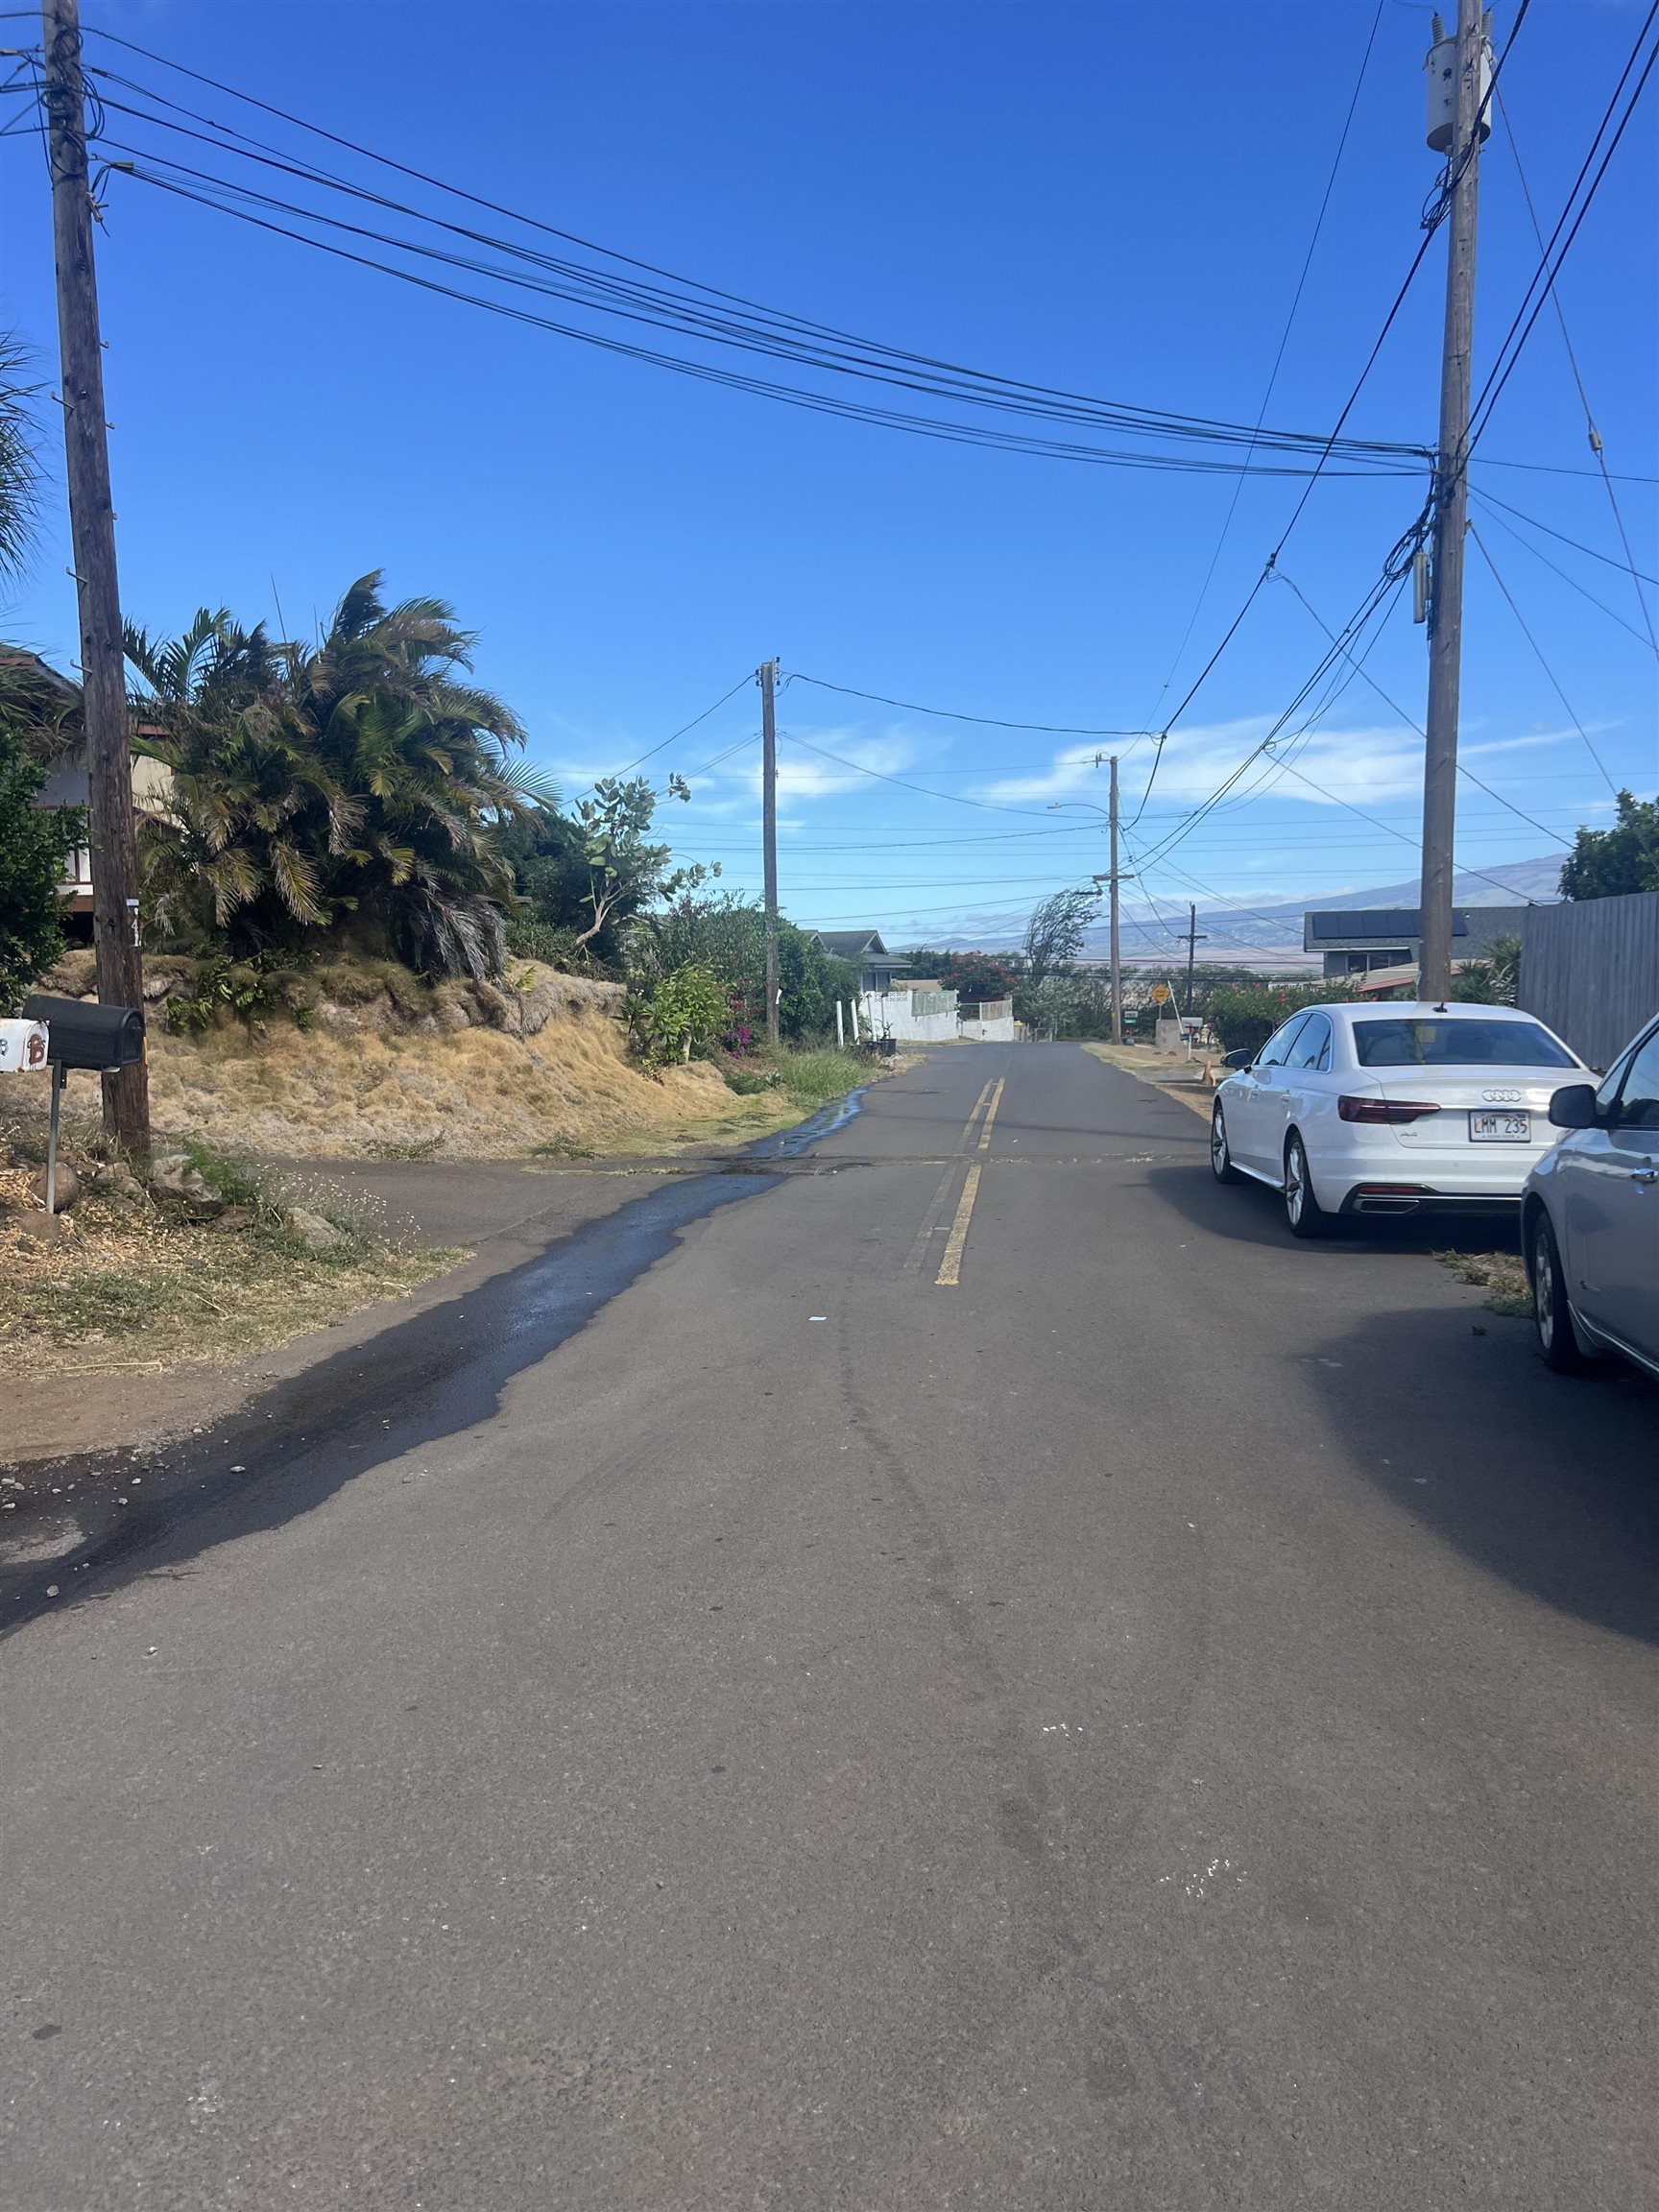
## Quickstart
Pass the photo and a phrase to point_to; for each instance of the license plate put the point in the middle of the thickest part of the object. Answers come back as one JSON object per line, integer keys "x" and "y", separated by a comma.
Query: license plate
{"x": 1500, "y": 1128}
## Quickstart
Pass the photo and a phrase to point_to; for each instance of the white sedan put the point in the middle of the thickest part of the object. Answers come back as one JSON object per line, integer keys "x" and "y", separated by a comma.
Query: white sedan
{"x": 1396, "y": 1108}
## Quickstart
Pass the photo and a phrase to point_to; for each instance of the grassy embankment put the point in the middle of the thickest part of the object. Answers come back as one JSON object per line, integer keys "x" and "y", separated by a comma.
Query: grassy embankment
{"x": 131, "y": 1285}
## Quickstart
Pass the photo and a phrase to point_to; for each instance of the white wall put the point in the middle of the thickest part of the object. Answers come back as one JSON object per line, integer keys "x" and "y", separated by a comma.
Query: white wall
{"x": 892, "y": 1014}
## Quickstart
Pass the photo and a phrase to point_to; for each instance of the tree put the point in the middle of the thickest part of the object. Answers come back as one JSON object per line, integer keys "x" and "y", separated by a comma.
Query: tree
{"x": 973, "y": 977}
{"x": 625, "y": 870}
{"x": 19, "y": 475}
{"x": 34, "y": 842}
{"x": 1495, "y": 981}
{"x": 1068, "y": 1003}
{"x": 727, "y": 934}
{"x": 358, "y": 785}
{"x": 1055, "y": 933}
{"x": 1605, "y": 863}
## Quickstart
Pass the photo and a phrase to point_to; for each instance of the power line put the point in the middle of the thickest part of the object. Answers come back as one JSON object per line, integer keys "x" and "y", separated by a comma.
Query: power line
{"x": 1557, "y": 468}
{"x": 755, "y": 329}
{"x": 1413, "y": 723}
{"x": 1347, "y": 406}
{"x": 1557, "y": 568}
{"x": 1522, "y": 325}
{"x": 1278, "y": 359}
{"x": 1626, "y": 566}
{"x": 1592, "y": 431}
{"x": 1378, "y": 822}
{"x": 955, "y": 799}
{"x": 1391, "y": 582}
{"x": 1542, "y": 662}
{"x": 744, "y": 680}
{"x": 948, "y": 715}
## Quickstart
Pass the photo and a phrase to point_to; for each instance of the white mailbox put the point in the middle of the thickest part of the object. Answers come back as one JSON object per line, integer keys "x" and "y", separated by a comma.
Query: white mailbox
{"x": 23, "y": 1047}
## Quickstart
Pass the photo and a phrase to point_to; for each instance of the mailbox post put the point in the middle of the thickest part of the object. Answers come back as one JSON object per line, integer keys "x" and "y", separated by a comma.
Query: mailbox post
{"x": 96, "y": 1036}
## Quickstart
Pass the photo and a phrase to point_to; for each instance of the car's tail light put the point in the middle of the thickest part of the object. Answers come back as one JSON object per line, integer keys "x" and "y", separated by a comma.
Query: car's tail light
{"x": 1353, "y": 1109}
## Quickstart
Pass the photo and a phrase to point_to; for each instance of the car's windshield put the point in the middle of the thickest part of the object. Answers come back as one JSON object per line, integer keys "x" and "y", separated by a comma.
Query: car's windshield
{"x": 1414, "y": 1044}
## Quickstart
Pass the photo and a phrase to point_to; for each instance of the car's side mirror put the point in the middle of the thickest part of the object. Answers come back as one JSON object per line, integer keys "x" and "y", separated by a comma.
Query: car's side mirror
{"x": 1241, "y": 1059}
{"x": 1574, "y": 1107}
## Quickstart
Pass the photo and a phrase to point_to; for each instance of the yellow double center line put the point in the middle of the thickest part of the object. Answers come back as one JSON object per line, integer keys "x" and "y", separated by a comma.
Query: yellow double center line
{"x": 949, "y": 1273}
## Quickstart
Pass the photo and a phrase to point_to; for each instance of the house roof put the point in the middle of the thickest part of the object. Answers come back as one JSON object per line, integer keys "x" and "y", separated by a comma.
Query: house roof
{"x": 33, "y": 669}
{"x": 852, "y": 944}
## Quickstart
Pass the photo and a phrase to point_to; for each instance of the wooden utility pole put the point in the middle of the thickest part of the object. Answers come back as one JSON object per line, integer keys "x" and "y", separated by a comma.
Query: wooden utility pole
{"x": 1116, "y": 963}
{"x": 93, "y": 534}
{"x": 1451, "y": 503}
{"x": 768, "y": 679}
{"x": 1193, "y": 941}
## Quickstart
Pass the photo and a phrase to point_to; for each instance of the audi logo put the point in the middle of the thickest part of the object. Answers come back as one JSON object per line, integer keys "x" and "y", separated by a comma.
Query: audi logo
{"x": 1501, "y": 1097}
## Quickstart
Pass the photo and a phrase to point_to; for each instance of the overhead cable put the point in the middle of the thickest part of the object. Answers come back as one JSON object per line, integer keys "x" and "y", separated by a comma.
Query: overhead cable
{"x": 1544, "y": 277}
{"x": 949, "y": 714}
{"x": 1567, "y": 577}
{"x": 1411, "y": 723}
{"x": 1554, "y": 680}
{"x": 1591, "y": 428}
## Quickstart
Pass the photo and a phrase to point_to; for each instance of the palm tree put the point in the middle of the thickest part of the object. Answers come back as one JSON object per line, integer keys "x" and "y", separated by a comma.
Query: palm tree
{"x": 19, "y": 476}
{"x": 359, "y": 783}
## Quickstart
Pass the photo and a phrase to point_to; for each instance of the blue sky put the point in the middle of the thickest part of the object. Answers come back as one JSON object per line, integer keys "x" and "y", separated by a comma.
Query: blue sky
{"x": 1113, "y": 199}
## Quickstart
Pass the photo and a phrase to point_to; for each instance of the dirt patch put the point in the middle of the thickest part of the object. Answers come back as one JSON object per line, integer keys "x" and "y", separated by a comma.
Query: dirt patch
{"x": 1190, "y": 1080}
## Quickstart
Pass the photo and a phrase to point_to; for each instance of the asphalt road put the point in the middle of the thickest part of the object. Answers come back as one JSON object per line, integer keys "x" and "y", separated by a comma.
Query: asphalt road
{"x": 1165, "y": 1720}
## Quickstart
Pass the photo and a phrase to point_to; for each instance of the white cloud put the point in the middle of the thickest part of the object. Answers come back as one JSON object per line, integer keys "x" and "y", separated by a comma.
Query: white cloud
{"x": 806, "y": 777}
{"x": 1323, "y": 767}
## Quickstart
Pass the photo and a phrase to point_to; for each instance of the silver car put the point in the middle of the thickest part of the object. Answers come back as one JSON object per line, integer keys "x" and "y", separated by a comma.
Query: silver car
{"x": 1590, "y": 1218}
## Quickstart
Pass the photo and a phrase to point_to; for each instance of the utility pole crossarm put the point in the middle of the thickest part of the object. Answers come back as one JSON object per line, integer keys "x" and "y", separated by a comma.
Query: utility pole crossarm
{"x": 93, "y": 534}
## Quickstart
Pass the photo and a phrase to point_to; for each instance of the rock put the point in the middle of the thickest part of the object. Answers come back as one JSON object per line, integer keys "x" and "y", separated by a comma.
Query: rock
{"x": 39, "y": 1228}
{"x": 117, "y": 1181}
{"x": 175, "y": 1175}
{"x": 312, "y": 1231}
{"x": 236, "y": 1217}
{"x": 73, "y": 975}
{"x": 67, "y": 1187}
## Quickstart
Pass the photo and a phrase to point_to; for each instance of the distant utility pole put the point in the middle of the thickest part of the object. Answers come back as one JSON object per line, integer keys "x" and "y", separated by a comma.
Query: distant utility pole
{"x": 768, "y": 679}
{"x": 1459, "y": 76}
{"x": 1116, "y": 963}
{"x": 1193, "y": 941}
{"x": 92, "y": 536}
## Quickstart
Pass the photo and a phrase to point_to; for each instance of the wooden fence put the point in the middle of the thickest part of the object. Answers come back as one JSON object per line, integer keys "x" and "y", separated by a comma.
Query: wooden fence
{"x": 1590, "y": 967}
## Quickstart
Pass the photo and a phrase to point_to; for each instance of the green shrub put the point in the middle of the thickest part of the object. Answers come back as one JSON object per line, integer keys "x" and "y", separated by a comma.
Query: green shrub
{"x": 1244, "y": 1016}
{"x": 35, "y": 842}
{"x": 680, "y": 1014}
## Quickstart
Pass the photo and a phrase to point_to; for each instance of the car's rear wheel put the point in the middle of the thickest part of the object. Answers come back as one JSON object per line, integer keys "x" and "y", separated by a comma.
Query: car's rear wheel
{"x": 1306, "y": 1216}
{"x": 1551, "y": 1315}
{"x": 1220, "y": 1155}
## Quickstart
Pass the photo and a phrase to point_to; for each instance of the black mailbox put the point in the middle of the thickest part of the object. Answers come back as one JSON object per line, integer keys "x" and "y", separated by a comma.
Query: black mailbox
{"x": 88, "y": 1036}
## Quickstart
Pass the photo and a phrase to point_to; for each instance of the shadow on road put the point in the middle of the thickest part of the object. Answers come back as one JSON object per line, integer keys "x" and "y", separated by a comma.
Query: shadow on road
{"x": 1250, "y": 1213}
{"x": 1549, "y": 1482}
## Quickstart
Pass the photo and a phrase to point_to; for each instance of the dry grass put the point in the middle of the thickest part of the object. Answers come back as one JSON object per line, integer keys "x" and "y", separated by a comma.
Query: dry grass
{"x": 1503, "y": 1273}
{"x": 127, "y": 1290}
{"x": 468, "y": 1093}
